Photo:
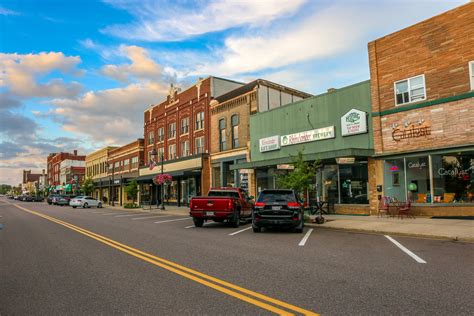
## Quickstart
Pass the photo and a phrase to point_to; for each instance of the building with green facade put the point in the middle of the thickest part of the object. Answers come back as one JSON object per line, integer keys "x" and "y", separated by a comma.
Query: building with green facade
{"x": 335, "y": 128}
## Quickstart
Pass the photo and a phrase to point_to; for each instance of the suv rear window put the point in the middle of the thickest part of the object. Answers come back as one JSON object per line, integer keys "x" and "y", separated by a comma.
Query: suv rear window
{"x": 276, "y": 196}
{"x": 229, "y": 193}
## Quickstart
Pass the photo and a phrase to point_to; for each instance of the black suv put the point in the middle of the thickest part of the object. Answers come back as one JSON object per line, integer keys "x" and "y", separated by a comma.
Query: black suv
{"x": 277, "y": 208}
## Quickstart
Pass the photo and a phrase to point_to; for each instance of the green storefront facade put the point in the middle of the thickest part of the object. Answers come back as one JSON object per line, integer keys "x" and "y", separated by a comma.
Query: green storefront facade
{"x": 333, "y": 127}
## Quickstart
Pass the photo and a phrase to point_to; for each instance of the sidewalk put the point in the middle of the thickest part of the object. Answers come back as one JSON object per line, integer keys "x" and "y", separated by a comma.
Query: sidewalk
{"x": 461, "y": 230}
{"x": 424, "y": 227}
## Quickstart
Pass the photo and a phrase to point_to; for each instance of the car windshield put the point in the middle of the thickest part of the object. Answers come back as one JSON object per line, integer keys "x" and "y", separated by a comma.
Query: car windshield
{"x": 229, "y": 193}
{"x": 276, "y": 196}
{"x": 79, "y": 197}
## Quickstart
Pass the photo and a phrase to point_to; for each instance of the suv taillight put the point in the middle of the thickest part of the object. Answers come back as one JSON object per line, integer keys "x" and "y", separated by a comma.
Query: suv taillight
{"x": 293, "y": 205}
{"x": 260, "y": 204}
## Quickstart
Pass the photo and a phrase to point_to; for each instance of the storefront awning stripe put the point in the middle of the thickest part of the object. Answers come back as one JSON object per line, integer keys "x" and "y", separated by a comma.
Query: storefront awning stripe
{"x": 350, "y": 152}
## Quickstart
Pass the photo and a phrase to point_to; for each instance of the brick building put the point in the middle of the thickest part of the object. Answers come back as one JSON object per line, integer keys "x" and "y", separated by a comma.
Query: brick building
{"x": 63, "y": 169}
{"x": 178, "y": 130}
{"x": 422, "y": 80}
{"x": 32, "y": 182}
{"x": 96, "y": 169}
{"x": 230, "y": 129}
{"x": 123, "y": 164}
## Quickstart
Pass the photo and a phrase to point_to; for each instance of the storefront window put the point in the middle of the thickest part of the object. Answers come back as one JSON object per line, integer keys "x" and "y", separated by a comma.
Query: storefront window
{"x": 354, "y": 183}
{"x": 418, "y": 179}
{"x": 266, "y": 179}
{"x": 171, "y": 191}
{"x": 216, "y": 176}
{"x": 394, "y": 179}
{"x": 329, "y": 184}
{"x": 453, "y": 178}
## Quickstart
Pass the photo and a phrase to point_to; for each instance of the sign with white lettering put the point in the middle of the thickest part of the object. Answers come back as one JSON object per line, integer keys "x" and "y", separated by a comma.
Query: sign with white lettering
{"x": 246, "y": 170}
{"x": 354, "y": 122}
{"x": 269, "y": 143}
{"x": 345, "y": 160}
{"x": 285, "y": 167}
{"x": 308, "y": 136}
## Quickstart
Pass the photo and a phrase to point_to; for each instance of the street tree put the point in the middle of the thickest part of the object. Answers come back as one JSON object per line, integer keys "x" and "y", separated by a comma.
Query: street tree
{"x": 301, "y": 177}
{"x": 132, "y": 189}
{"x": 88, "y": 186}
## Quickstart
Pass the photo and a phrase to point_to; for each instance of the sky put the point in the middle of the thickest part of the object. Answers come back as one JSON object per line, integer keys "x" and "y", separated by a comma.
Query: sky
{"x": 78, "y": 74}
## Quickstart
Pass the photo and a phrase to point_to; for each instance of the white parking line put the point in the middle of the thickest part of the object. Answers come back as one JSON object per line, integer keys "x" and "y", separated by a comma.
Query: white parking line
{"x": 205, "y": 224}
{"x": 172, "y": 220}
{"x": 155, "y": 216}
{"x": 99, "y": 212}
{"x": 305, "y": 238}
{"x": 408, "y": 252}
{"x": 135, "y": 214}
{"x": 239, "y": 231}
{"x": 115, "y": 213}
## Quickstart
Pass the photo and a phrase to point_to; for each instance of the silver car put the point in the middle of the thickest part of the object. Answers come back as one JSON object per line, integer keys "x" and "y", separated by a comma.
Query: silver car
{"x": 84, "y": 201}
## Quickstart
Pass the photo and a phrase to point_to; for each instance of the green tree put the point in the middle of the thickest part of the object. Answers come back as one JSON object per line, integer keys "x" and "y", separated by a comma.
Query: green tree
{"x": 88, "y": 186}
{"x": 132, "y": 189}
{"x": 5, "y": 188}
{"x": 300, "y": 179}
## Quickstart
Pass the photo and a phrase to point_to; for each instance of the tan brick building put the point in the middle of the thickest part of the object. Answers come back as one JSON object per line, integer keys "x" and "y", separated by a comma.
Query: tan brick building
{"x": 96, "y": 169}
{"x": 178, "y": 130}
{"x": 422, "y": 83}
{"x": 230, "y": 129}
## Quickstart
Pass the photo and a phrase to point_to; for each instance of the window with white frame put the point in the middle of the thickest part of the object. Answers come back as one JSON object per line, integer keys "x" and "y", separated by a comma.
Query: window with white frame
{"x": 134, "y": 162}
{"x": 471, "y": 73}
{"x": 199, "y": 120}
{"x": 172, "y": 151}
{"x": 235, "y": 130}
{"x": 172, "y": 130}
{"x": 410, "y": 90}
{"x": 199, "y": 145}
{"x": 185, "y": 148}
{"x": 161, "y": 153}
{"x": 185, "y": 125}
{"x": 222, "y": 140}
{"x": 151, "y": 137}
{"x": 161, "y": 134}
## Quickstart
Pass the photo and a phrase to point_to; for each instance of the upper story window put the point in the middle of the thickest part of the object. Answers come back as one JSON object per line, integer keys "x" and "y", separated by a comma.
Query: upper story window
{"x": 126, "y": 163}
{"x": 471, "y": 73}
{"x": 134, "y": 162}
{"x": 161, "y": 134}
{"x": 172, "y": 130}
{"x": 151, "y": 137}
{"x": 199, "y": 120}
{"x": 410, "y": 90}
{"x": 185, "y": 148}
{"x": 235, "y": 131}
{"x": 185, "y": 125}
{"x": 161, "y": 153}
{"x": 222, "y": 143}
{"x": 199, "y": 145}
{"x": 172, "y": 151}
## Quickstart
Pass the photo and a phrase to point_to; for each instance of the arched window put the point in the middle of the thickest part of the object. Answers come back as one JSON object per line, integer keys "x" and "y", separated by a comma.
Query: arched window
{"x": 222, "y": 144}
{"x": 235, "y": 131}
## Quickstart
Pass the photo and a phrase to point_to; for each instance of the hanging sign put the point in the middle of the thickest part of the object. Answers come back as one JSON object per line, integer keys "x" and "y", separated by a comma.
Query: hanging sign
{"x": 269, "y": 143}
{"x": 308, "y": 136}
{"x": 345, "y": 160}
{"x": 285, "y": 167}
{"x": 354, "y": 122}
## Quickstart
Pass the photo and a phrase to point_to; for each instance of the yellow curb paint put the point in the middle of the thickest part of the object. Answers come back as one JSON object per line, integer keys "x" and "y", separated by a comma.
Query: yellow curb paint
{"x": 185, "y": 272}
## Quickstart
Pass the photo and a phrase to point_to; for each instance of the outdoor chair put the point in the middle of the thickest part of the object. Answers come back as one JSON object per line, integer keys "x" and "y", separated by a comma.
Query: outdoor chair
{"x": 384, "y": 206}
{"x": 405, "y": 210}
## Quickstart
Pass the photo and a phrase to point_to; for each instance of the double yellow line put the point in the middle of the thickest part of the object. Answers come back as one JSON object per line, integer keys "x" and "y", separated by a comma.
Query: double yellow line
{"x": 243, "y": 294}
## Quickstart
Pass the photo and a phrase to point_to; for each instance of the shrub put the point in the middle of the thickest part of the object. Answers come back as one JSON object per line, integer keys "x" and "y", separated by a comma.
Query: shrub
{"x": 130, "y": 205}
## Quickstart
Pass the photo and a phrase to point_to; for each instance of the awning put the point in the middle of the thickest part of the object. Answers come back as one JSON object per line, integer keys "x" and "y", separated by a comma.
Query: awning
{"x": 350, "y": 152}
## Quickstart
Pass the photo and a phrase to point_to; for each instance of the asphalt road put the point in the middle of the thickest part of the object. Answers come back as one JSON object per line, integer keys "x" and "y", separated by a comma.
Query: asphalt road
{"x": 58, "y": 260}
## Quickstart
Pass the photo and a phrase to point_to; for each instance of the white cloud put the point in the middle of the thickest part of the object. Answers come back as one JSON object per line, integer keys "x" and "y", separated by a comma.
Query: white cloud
{"x": 5, "y": 11}
{"x": 157, "y": 22}
{"x": 19, "y": 74}
{"x": 113, "y": 116}
{"x": 142, "y": 66}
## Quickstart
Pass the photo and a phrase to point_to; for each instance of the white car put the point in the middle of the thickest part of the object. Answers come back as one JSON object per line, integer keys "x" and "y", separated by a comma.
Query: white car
{"x": 84, "y": 201}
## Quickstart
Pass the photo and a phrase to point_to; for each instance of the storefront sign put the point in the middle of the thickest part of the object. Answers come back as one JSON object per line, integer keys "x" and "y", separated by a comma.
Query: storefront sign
{"x": 456, "y": 172}
{"x": 285, "y": 167}
{"x": 409, "y": 129}
{"x": 269, "y": 143}
{"x": 416, "y": 165}
{"x": 345, "y": 160}
{"x": 354, "y": 122}
{"x": 244, "y": 181}
{"x": 308, "y": 136}
{"x": 117, "y": 181}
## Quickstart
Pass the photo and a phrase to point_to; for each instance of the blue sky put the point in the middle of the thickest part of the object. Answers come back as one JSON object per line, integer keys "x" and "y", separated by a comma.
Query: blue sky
{"x": 79, "y": 74}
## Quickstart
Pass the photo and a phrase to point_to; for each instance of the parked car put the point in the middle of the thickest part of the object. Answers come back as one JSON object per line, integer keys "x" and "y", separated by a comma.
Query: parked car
{"x": 85, "y": 201}
{"x": 278, "y": 208}
{"x": 25, "y": 198}
{"x": 50, "y": 198}
{"x": 221, "y": 204}
{"x": 61, "y": 200}
{"x": 38, "y": 198}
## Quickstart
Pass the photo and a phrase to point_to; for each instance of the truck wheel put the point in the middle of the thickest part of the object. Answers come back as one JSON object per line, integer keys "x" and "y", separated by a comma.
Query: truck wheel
{"x": 236, "y": 220}
{"x": 198, "y": 222}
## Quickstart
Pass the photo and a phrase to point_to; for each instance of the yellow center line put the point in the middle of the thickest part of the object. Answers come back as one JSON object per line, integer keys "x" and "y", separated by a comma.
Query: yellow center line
{"x": 184, "y": 271}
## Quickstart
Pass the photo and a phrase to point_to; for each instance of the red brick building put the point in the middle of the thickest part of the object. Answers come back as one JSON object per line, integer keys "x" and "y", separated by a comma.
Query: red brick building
{"x": 178, "y": 130}
{"x": 123, "y": 164}
{"x": 422, "y": 83}
{"x": 65, "y": 168}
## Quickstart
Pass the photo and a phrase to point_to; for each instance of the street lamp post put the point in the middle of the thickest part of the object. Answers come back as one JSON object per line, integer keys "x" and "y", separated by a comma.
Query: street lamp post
{"x": 153, "y": 155}
{"x": 162, "y": 206}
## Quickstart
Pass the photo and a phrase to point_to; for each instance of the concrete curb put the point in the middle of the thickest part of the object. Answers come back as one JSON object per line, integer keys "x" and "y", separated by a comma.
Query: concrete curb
{"x": 375, "y": 231}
